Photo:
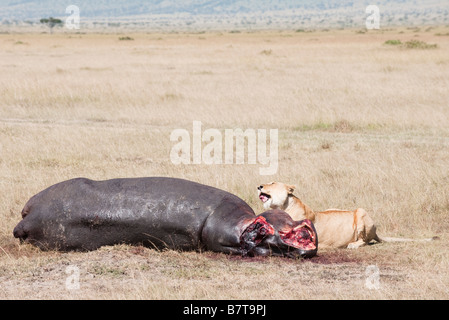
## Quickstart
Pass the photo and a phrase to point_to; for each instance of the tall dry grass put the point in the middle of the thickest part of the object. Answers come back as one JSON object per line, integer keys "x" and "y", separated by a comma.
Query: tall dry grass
{"x": 361, "y": 124}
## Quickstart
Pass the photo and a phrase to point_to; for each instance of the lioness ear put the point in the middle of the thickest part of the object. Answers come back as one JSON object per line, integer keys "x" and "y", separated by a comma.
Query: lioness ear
{"x": 291, "y": 189}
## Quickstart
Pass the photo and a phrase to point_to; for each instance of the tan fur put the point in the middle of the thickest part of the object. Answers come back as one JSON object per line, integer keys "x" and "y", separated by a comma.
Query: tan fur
{"x": 336, "y": 228}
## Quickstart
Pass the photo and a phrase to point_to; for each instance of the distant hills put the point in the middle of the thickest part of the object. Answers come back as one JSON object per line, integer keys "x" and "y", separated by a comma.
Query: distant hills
{"x": 227, "y": 14}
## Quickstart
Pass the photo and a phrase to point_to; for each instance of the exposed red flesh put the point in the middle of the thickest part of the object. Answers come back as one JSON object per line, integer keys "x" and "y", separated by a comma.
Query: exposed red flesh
{"x": 301, "y": 237}
{"x": 254, "y": 234}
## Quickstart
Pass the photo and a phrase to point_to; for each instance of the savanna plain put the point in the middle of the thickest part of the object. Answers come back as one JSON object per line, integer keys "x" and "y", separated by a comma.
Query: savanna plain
{"x": 363, "y": 121}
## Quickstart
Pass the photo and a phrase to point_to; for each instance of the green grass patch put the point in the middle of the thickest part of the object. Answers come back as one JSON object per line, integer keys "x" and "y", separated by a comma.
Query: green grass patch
{"x": 417, "y": 44}
{"x": 393, "y": 42}
{"x": 412, "y": 44}
{"x": 125, "y": 38}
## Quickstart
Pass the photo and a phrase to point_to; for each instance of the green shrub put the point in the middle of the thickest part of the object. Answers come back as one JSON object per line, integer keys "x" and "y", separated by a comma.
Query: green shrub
{"x": 393, "y": 42}
{"x": 412, "y": 44}
{"x": 417, "y": 44}
{"x": 125, "y": 38}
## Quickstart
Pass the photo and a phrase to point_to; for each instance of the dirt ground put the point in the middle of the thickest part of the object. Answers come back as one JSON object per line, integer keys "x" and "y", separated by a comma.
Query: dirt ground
{"x": 380, "y": 271}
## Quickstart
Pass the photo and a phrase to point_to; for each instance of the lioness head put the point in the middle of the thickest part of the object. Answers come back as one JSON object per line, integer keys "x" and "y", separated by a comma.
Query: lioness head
{"x": 274, "y": 195}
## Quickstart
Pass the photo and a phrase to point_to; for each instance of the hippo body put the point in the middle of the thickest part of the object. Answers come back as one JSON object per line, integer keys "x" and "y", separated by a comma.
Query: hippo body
{"x": 82, "y": 214}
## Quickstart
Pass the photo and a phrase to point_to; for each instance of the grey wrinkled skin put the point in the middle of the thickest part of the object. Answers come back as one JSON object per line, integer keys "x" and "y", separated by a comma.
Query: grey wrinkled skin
{"x": 82, "y": 214}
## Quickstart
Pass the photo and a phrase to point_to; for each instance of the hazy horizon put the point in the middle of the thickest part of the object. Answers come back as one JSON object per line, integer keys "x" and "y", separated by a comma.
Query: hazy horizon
{"x": 229, "y": 14}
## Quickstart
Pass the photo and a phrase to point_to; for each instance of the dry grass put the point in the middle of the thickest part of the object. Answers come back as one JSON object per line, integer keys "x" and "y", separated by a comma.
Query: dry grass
{"x": 361, "y": 124}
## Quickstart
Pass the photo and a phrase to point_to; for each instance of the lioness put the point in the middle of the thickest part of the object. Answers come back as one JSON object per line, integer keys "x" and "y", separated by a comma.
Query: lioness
{"x": 335, "y": 228}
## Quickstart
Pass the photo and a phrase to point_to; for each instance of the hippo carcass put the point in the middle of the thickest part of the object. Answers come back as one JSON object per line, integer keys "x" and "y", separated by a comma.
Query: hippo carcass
{"x": 160, "y": 212}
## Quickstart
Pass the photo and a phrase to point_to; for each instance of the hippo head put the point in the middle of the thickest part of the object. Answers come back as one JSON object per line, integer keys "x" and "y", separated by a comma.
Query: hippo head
{"x": 274, "y": 232}
{"x": 44, "y": 230}
{"x": 30, "y": 230}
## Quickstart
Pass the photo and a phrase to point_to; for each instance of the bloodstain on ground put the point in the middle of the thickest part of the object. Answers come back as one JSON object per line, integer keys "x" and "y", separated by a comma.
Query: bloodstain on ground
{"x": 336, "y": 257}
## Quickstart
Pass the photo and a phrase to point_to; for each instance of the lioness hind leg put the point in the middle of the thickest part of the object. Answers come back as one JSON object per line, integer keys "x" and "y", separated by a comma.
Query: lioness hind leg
{"x": 366, "y": 230}
{"x": 357, "y": 244}
{"x": 359, "y": 227}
